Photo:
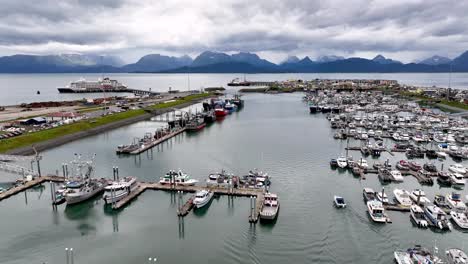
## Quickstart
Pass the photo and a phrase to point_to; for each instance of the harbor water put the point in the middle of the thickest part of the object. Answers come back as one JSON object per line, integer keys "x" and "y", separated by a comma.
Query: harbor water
{"x": 274, "y": 133}
{"x": 22, "y": 88}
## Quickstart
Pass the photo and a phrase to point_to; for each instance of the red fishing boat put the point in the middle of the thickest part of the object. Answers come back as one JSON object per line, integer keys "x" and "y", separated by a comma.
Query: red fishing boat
{"x": 220, "y": 112}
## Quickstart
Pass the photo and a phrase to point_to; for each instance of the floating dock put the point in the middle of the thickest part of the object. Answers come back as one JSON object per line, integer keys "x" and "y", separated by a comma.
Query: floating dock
{"x": 29, "y": 184}
{"x": 157, "y": 142}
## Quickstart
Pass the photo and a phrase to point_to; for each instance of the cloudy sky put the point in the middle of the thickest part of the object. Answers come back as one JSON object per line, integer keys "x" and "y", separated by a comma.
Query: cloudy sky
{"x": 407, "y": 30}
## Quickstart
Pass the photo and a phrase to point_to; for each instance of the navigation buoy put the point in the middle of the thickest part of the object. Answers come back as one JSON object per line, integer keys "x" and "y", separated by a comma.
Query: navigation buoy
{"x": 38, "y": 92}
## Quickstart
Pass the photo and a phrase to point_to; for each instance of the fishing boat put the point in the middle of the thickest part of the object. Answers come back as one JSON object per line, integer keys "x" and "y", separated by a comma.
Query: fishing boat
{"x": 455, "y": 202}
{"x": 177, "y": 178}
{"x": 270, "y": 207}
{"x": 220, "y": 179}
{"x": 396, "y": 175}
{"x": 457, "y": 179}
{"x": 402, "y": 197}
{"x": 120, "y": 189}
{"x": 196, "y": 124}
{"x": 88, "y": 188}
{"x": 339, "y": 201}
{"x": 230, "y": 108}
{"x": 59, "y": 195}
{"x": 342, "y": 162}
{"x": 368, "y": 194}
{"x": 437, "y": 217}
{"x": 419, "y": 197}
{"x": 456, "y": 256}
{"x": 202, "y": 198}
{"x": 220, "y": 111}
{"x": 376, "y": 211}
{"x": 457, "y": 168}
{"x": 418, "y": 216}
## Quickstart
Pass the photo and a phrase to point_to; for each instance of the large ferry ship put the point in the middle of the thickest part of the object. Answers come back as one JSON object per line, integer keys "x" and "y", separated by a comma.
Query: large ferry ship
{"x": 99, "y": 86}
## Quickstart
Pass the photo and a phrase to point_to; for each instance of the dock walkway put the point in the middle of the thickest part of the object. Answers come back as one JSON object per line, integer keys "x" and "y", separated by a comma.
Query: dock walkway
{"x": 38, "y": 180}
{"x": 157, "y": 142}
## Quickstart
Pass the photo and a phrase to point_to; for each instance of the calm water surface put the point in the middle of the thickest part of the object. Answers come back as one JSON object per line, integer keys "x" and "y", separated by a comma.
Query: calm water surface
{"x": 274, "y": 133}
{"x": 22, "y": 88}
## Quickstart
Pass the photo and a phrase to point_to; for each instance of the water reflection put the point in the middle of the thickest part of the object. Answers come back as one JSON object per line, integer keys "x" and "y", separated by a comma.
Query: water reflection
{"x": 181, "y": 227}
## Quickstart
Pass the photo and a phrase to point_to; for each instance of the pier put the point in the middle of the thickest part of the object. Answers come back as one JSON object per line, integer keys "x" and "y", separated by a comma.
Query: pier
{"x": 29, "y": 184}
{"x": 156, "y": 142}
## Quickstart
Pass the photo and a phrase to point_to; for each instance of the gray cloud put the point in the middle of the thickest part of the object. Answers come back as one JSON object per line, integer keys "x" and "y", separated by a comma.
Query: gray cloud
{"x": 405, "y": 30}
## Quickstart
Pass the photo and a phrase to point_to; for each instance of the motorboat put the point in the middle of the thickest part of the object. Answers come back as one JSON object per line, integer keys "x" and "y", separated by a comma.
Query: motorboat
{"x": 413, "y": 165}
{"x": 202, "y": 198}
{"x": 418, "y": 216}
{"x": 457, "y": 179}
{"x": 382, "y": 197}
{"x": 118, "y": 190}
{"x": 339, "y": 201}
{"x": 419, "y": 197}
{"x": 437, "y": 217}
{"x": 456, "y": 256}
{"x": 368, "y": 194}
{"x": 362, "y": 163}
{"x": 441, "y": 155}
{"x": 342, "y": 162}
{"x": 416, "y": 254}
{"x": 430, "y": 167}
{"x": 376, "y": 211}
{"x": 455, "y": 202}
{"x": 444, "y": 179}
{"x": 333, "y": 163}
{"x": 402, "y": 165}
{"x": 457, "y": 168}
{"x": 402, "y": 197}
{"x": 460, "y": 218}
{"x": 441, "y": 201}
{"x": 177, "y": 178}
{"x": 396, "y": 175}
{"x": 402, "y": 257}
{"x": 270, "y": 207}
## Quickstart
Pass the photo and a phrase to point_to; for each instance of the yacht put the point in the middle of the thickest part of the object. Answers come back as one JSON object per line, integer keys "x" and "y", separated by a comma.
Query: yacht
{"x": 270, "y": 207}
{"x": 418, "y": 217}
{"x": 457, "y": 168}
{"x": 382, "y": 197}
{"x": 376, "y": 211}
{"x": 118, "y": 190}
{"x": 342, "y": 162}
{"x": 460, "y": 218}
{"x": 456, "y": 256}
{"x": 455, "y": 202}
{"x": 437, "y": 217}
{"x": 419, "y": 197}
{"x": 417, "y": 254}
{"x": 362, "y": 163}
{"x": 457, "y": 179}
{"x": 402, "y": 197}
{"x": 80, "y": 192}
{"x": 202, "y": 198}
{"x": 396, "y": 175}
{"x": 178, "y": 178}
{"x": 368, "y": 194}
{"x": 339, "y": 201}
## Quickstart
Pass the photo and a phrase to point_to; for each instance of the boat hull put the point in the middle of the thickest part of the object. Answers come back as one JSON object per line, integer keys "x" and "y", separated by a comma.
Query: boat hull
{"x": 74, "y": 199}
{"x": 200, "y": 204}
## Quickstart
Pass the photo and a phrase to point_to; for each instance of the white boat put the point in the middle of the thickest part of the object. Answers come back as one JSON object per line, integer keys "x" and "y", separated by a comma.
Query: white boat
{"x": 457, "y": 168}
{"x": 342, "y": 162}
{"x": 177, "y": 178}
{"x": 456, "y": 256}
{"x": 402, "y": 257}
{"x": 441, "y": 155}
{"x": 362, "y": 163}
{"x": 339, "y": 201}
{"x": 437, "y": 217}
{"x": 459, "y": 217}
{"x": 202, "y": 198}
{"x": 376, "y": 211}
{"x": 270, "y": 207}
{"x": 418, "y": 216}
{"x": 82, "y": 192}
{"x": 419, "y": 197}
{"x": 457, "y": 179}
{"x": 382, "y": 197}
{"x": 396, "y": 175}
{"x": 118, "y": 190}
{"x": 402, "y": 197}
{"x": 455, "y": 202}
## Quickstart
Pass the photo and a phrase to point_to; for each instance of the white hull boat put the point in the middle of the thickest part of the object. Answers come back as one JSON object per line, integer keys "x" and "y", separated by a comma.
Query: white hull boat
{"x": 402, "y": 197}
{"x": 202, "y": 198}
{"x": 118, "y": 190}
{"x": 456, "y": 256}
{"x": 270, "y": 207}
{"x": 419, "y": 197}
{"x": 376, "y": 211}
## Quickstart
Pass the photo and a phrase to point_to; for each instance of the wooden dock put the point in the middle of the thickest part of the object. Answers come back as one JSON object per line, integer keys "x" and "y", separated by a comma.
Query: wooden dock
{"x": 29, "y": 184}
{"x": 396, "y": 207}
{"x": 246, "y": 192}
{"x": 157, "y": 142}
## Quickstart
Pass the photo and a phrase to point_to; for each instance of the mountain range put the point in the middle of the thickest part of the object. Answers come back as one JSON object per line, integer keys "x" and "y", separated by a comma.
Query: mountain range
{"x": 217, "y": 62}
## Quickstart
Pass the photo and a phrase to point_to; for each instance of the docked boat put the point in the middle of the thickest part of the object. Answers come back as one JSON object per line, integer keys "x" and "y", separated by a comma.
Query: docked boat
{"x": 368, "y": 194}
{"x": 220, "y": 111}
{"x": 455, "y": 202}
{"x": 457, "y": 179}
{"x": 444, "y": 179}
{"x": 230, "y": 108}
{"x": 441, "y": 202}
{"x": 418, "y": 216}
{"x": 376, "y": 211}
{"x": 339, "y": 201}
{"x": 430, "y": 167}
{"x": 196, "y": 124}
{"x": 402, "y": 165}
{"x": 456, "y": 256}
{"x": 419, "y": 197}
{"x": 202, "y": 198}
{"x": 457, "y": 168}
{"x": 413, "y": 165}
{"x": 362, "y": 163}
{"x": 333, "y": 163}
{"x": 402, "y": 257}
{"x": 118, "y": 190}
{"x": 220, "y": 179}
{"x": 342, "y": 162}
{"x": 396, "y": 175}
{"x": 402, "y": 197}
{"x": 270, "y": 207}
{"x": 460, "y": 218}
{"x": 417, "y": 254}
{"x": 177, "y": 178}
{"x": 437, "y": 217}
{"x": 82, "y": 191}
